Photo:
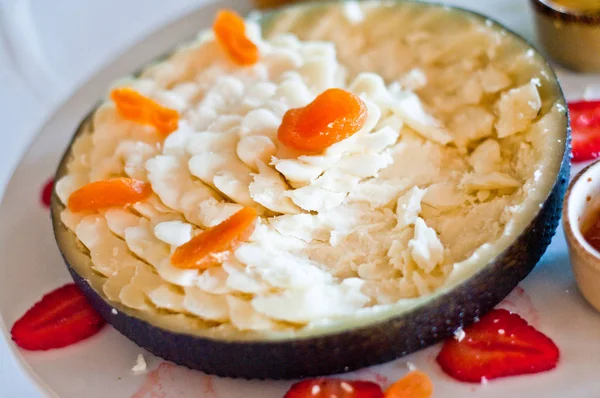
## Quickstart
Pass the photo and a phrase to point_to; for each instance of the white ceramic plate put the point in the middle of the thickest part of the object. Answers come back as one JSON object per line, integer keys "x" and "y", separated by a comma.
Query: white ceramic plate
{"x": 101, "y": 366}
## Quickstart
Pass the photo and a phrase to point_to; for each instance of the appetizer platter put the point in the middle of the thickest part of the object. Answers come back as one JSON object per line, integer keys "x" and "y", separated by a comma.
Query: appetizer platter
{"x": 306, "y": 202}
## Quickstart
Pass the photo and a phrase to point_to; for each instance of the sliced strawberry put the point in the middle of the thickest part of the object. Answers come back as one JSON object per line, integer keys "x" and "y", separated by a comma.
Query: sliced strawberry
{"x": 585, "y": 126}
{"x": 501, "y": 344}
{"x": 46, "y": 195}
{"x": 63, "y": 317}
{"x": 329, "y": 388}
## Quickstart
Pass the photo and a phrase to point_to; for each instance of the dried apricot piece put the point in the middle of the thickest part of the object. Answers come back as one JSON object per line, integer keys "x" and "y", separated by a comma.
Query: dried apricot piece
{"x": 108, "y": 193}
{"x": 133, "y": 106}
{"x": 416, "y": 384}
{"x": 230, "y": 31}
{"x": 333, "y": 116}
{"x": 213, "y": 246}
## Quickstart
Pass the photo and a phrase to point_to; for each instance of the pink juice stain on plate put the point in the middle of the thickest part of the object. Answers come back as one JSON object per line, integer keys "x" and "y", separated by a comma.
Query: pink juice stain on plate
{"x": 171, "y": 381}
{"x": 370, "y": 375}
{"x": 518, "y": 301}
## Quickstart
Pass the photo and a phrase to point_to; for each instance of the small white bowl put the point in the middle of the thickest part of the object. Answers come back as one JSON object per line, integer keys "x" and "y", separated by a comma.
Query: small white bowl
{"x": 582, "y": 201}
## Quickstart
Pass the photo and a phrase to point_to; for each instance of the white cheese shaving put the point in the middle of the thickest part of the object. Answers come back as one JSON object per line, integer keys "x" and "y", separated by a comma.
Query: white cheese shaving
{"x": 281, "y": 269}
{"x": 318, "y": 301}
{"x": 269, "y": 189}
{"x": 517, "y": 108}
{"x": 174, "y": 233}
{"x": 167, "y": 297}
{"x": 214, "y": 281}
{"x": 409, "y": 108}
{"x": 425, "y": 247}
{"x": 314, "y": 198}
{"x": 254, "y": 149}
{"x": 245, "y": 317}
{"x": 486, "y": 158}
{"x": 444, "y": 196}
{"x": 492, "y": 181}
{"x": 408, "y": 207}
{"x": 206, "y": 306}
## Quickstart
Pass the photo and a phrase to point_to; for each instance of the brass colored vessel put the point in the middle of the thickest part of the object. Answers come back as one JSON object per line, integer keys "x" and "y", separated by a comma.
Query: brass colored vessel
{"x": 569, "y": 31}
{"x": 273, "y": 3}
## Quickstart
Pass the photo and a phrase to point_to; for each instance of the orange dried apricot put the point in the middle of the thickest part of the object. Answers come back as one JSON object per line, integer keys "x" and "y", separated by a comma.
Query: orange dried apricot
{"x": 108, "y": 193}
{"x": 213, "y": 245}
{"x": 230, "y": 31}
{"x": 416, "y": 384}
{"x": 333, "y": 116}
{"x": 133, "y": 106}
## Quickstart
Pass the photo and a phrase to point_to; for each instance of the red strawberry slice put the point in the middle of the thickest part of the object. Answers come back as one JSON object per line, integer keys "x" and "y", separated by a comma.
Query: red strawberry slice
{"x": 585, "y": 126}
{"x": 329, "y": 388}
{"x": 63, "y": 317}
{"x": 501, "y": 344}
{"x": 46, "y": 195}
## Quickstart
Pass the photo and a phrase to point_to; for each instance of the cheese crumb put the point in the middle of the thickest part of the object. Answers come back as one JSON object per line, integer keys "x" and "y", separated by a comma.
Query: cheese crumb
{"x": 353, "y": 12}
{"x": 414, "y": 80}
{"x": 140, "y": 365}
{"x": 425, "y": 248}
{"x": 517, "y": 108}
{"x": 408, "y": 207}
{"x": 175, "y": 233}
{"x": 459, "y": 334}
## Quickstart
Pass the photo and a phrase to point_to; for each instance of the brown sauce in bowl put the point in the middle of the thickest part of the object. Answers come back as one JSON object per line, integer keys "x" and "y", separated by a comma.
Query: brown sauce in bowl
{"x": 591, "y": 232}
